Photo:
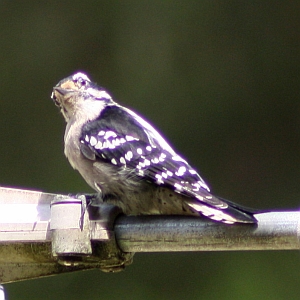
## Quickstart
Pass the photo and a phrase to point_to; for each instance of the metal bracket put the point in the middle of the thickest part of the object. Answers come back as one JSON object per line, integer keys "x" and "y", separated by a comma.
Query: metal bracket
{"x": 83, "y": 232}
{"x": 70, "y": 228}
{"x": 45, "y": 234}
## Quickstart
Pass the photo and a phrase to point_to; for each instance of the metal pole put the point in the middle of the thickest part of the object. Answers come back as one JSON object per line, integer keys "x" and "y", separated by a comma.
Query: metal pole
{"x": 29, "y": 221}
{"x": 274, "y": 231}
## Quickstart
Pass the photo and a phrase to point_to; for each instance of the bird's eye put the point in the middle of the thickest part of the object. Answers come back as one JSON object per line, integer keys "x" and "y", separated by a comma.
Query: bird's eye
{"x": 81, "y": 82}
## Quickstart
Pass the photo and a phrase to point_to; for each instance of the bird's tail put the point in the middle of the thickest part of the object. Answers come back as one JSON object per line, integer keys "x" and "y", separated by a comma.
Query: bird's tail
{"x": 228, "y": 213}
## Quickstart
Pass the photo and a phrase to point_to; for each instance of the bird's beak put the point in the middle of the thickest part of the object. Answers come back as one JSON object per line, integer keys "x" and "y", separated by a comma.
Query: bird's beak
{"x": 61, "y": 90}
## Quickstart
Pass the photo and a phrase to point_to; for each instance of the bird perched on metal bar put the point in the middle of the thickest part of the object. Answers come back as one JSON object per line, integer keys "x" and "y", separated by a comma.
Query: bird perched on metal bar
{"x": 128, "y": 162}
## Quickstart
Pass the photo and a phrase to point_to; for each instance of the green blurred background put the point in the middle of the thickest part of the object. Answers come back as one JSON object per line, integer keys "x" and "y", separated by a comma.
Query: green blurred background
{"x": 221, "y": 81}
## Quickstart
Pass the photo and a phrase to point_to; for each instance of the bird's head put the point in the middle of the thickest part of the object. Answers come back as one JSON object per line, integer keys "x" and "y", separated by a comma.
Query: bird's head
{"x": 76, "y": 93}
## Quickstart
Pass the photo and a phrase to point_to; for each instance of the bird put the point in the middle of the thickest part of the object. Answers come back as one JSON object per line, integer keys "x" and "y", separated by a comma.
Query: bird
{"x": 128, "y": 162}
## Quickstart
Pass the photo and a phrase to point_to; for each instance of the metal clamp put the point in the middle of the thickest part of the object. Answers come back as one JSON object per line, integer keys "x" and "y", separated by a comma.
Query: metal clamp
{"x": 83, "y": 233}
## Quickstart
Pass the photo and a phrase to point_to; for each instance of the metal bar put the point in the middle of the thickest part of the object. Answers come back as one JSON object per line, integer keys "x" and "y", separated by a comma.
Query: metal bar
{"x": 25, "y": 217}
{"x": 274, "y": 231}
{"x": 27, "y": 234}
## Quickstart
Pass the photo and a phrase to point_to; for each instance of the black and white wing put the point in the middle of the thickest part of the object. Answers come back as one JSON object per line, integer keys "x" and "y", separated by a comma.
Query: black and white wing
{"x": 123, "y": 139}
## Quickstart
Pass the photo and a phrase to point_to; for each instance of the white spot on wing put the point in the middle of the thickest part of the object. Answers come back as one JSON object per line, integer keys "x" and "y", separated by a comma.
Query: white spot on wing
{"x": 178, "y": 186}
{"x": 130, "y": 138}
{"x": 180, "y": 171}
{"x": 98, "y": 145}
{"x": 164, "y": 175}
{"x": 159, "y": 179}
{"x": 128, "y": 155}
{"x": 169, "y": 173}
{"x": 162, "y": 157}
{"x": 109, "y": 134}
{"x": 122, "y": 160}
{"x": 196, "y": 187}
{"x": 142, "y": 164}
{"x": 117, "y": 142}
{"x": 113, "y": 161}
{"x": 141, "y": 173}
{"x": 155, "y": 160}
{"x": 108, "y": 144}
{"x": 93, "y": 141}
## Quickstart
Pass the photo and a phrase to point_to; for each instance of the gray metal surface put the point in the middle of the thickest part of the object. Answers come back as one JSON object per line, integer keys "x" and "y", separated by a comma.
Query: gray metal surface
{"x": 32, "y": 245}
{"x": 274, "y": 231}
